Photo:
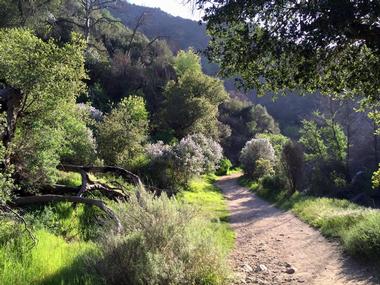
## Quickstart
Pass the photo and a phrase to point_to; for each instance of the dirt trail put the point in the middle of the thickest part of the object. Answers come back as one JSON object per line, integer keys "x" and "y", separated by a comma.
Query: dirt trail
{"x": 270, "y": 242}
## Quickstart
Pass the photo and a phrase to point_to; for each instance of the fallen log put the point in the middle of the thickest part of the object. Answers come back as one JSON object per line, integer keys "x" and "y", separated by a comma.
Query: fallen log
{"x": 43, "y": 199}
{"x": 126, "y": 174}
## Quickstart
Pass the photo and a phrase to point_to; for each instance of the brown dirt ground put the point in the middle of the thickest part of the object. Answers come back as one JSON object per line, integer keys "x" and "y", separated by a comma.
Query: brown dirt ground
{"x": 270, "y": 242}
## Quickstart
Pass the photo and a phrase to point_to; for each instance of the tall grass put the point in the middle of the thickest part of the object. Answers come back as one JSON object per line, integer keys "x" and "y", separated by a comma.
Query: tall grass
{"x": 52, "y": 261}
{"x": 204, "y": 196}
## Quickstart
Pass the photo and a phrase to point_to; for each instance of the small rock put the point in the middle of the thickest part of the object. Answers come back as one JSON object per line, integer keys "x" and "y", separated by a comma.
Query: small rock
{"x": 262, "y": 267}
{"x": 290, "y": 270}
{"x": 247, "y": 268}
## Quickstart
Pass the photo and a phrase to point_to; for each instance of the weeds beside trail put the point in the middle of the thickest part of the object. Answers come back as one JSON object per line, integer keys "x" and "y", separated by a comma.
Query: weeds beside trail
{"x": 357, "y": 228}
{"x": 209, "y": 199}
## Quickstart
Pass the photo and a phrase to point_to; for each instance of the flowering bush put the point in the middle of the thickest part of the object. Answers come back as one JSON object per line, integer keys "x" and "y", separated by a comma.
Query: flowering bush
{"x": 211, "y": 150}
{"x": 254, "y": 153}
{"x": 158, "y": 150}
{"x": 173, "y": 166}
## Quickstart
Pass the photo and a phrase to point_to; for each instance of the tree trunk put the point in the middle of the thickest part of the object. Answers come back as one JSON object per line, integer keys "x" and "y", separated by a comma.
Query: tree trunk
{"x": 12, "y": 101}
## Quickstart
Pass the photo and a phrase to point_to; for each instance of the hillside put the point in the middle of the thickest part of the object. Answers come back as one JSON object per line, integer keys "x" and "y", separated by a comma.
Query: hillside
{"x": 179, "y": 33}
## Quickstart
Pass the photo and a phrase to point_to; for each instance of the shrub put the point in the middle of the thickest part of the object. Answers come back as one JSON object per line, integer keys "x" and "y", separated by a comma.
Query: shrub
{"x": 175, "y": 165}
{"x": 211, "y": 150}
{"x": 263, "y": 167}
{"x": 164, "y": 242}
{"x": 278, "y": 141}
{"x": 122, "y": 133}
{"x": 328, "y": 177}
{"x": 254, "y": 150}
{"x": 224, "y": 167}
{"x": 363, "y": 239}
{"x": 376, "y": 179}
{"x": 80, "y": 146}
{"x": 293, "y": 163}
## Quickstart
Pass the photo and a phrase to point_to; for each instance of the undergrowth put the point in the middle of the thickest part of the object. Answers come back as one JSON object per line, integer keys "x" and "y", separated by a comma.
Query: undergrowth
{"x": 165, "y": 242}
{"x": 52, "y": 260}
{"x": 209, "y": 200}
{"x": 182, "y": 240}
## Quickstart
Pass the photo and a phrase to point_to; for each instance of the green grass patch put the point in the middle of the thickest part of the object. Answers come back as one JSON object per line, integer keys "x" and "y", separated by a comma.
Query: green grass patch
{"x": 204, "y": 195}
{"x": 356, "y": 227}
{"x": 71, "y": 179}
{"x": 51, "y": 261}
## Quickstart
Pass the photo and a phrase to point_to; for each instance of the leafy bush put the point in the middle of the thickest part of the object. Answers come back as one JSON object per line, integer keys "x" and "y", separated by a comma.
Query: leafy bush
{"x": 278, "y": 141}
{"x": 80, "y": 146}
{"x": 164, "y": 242}
{"x": 6, "y": 181}
{"x": 191, "y": 102}
{"x": 174, "y": 166}
{"x": 48, "y": 78}
{"x": 224, "y": 167}
{"x": 292, "y": 158}
{"x": 263, "y": 167}
{"x": 376, "y": 178}
{"x": 328, "y": 177}
{"x": 121, "y": 134}
{"x": 254, "y": 150}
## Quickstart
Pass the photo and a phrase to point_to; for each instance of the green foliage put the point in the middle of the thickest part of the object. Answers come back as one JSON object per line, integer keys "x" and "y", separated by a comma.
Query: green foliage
{"x": 376, "y": 178}
{"x": 164, "y": 243}
{"x": 191, "y": 104}
{"x": 208, "y": 199}
{"x": 325, "y": 147}
{"x": 52, "y": 261}
{"x": 311, "y": 138}
{"x": 46, "y": 80}
{"x": 80, "y": 146}
{"x": 245, "y": 121}
{"x": 81, "y": 223}
{"x": 7, "y": 185}
{"x": 262, "y": 121}
{"x": 263, "y": 167}
{"x": 364, "y": 237}
{"x": 257, "y": 153}
{"x": 278, "y": 141}
{"x": 323, "y": 141}
{"x": 224, "y": 167}
{"x": 123, "y": 132}
{"x": 72, "y": 179}
{"x": 313, "y": 48}
{"x": 187, "y": 61}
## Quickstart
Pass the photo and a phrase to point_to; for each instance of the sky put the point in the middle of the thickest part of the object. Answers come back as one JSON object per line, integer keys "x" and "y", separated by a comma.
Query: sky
{"x": 173, "y": 7}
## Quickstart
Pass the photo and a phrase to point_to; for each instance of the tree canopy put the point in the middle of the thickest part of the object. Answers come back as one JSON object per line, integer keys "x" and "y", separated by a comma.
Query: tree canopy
{"x": 327, "y": 46}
